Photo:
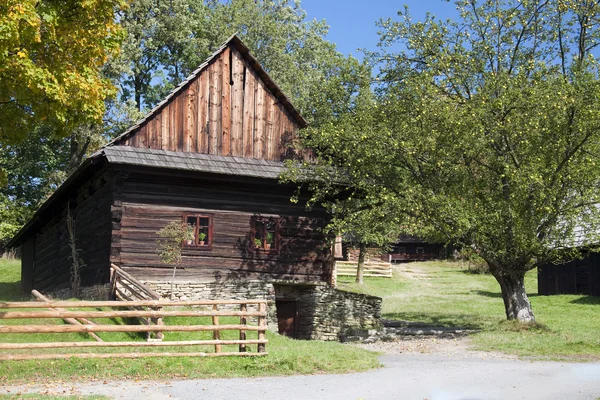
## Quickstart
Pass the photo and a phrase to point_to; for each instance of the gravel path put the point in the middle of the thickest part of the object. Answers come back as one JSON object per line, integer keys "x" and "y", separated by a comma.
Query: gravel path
{"x": 459, "y": 346}
{"x": 420, "y": 369}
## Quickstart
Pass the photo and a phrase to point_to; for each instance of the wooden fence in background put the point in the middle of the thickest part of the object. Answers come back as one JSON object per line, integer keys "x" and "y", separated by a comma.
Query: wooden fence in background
{"x": 152, "y": 309}
{"x": 378, "y": 269}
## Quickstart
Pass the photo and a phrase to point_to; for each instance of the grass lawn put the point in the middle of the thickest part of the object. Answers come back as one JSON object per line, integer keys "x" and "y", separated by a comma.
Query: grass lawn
{"x": 286, "y": 356}
{"x": 443, "y": 293}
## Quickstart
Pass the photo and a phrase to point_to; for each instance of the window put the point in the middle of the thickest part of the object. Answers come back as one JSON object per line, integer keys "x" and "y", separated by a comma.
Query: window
{"x": 420, "y": 250}
{"x": 265, "y": 233}
{"x": 199, "y": 230}
{"x": 401, "y": 250}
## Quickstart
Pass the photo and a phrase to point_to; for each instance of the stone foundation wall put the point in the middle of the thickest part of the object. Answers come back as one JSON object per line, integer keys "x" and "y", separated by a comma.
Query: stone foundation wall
{"x": 324, "y": 313}
{"x": 338, "y": 311}
{"x": 226, "y": 290}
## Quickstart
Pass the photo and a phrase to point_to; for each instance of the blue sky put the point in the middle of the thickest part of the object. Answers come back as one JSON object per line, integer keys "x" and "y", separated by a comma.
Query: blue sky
{"x": 352, "y": 22}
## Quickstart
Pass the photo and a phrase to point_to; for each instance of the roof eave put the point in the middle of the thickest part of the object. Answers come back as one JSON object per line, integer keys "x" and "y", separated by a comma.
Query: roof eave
{"x": 62, "y": 189}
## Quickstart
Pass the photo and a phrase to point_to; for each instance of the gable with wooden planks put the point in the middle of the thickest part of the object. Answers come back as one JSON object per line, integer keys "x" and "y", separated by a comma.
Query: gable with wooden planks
{"x": 229, "y": 106}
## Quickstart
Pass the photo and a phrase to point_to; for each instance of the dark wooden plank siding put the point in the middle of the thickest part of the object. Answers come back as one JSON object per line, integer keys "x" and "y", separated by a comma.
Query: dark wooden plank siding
{"x": 91, "y": 207}
{"x": 148, "y": 203}
{"x": 574, "y": 277}
{"x": 27, "y": 264}
{"x": 226, "y": 110}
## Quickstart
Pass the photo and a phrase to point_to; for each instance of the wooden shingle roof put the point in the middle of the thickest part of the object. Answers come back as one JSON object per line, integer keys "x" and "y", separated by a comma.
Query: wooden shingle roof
{"x": 206, "y": 163}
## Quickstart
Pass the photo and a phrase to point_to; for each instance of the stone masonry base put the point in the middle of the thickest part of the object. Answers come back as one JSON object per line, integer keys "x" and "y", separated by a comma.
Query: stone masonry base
{"x": 323, "y": 312}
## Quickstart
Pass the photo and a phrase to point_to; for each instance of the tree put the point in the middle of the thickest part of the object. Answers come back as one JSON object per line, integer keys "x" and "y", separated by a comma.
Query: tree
{"x": 166, "y": 40}
{"x": 169, "y": 246}
{"x": 341, "y": 182}
{"x": 34, "y": 168}
{"x": 51, "y": 54}
{"x": 486, "y": 132}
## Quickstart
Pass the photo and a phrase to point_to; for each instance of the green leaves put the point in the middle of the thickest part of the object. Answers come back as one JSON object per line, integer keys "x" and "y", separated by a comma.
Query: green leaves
{"x": 168, "y": 40}
{"x": 50, "y": 60}
{"x": 485, "y": 132}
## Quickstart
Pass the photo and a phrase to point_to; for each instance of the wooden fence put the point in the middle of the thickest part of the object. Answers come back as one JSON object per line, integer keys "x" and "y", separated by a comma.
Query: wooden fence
{"x": 153, "y": 309}
{"x": 126, "y": 288}
{"x": 378, "y": 269}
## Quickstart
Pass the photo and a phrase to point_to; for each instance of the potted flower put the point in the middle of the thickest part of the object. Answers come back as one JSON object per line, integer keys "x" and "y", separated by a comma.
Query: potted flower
{"x": 257, "y": 243}
{"x": 268, "y": 241}
{"x": 190, "y": 233}
{"x": 201, "y": 237}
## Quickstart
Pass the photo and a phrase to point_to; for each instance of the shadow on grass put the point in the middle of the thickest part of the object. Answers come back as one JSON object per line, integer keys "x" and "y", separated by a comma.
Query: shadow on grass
{"x": 464, "y": 321}
{"x": 11, "y": 291}
{"x": 588, "y": 300}
{"x": 129, "y": 321}
{"x": 498, "y": 295}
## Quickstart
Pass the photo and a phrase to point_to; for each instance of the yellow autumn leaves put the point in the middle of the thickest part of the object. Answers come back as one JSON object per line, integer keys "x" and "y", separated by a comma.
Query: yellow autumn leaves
{"x": 51, "y": 55}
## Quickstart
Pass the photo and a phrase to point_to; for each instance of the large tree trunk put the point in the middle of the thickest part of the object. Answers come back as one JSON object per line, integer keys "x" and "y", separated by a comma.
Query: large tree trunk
{"x": 361, "y": 263}
{"x": 516, "y": 302}
{"x": 79, "y": 146}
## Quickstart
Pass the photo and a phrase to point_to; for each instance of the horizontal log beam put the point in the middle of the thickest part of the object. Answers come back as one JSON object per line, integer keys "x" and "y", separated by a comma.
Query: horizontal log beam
{"x": 125, "y": 314}
{"x": 134, "y": 303}
{"x": 54, "y": 345}
{"x": 21, "y": 357}
{"x": 123, "y": 328}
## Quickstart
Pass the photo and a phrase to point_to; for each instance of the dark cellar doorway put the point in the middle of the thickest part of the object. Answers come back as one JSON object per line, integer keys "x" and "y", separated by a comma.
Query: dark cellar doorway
{"x": 287, "y": 317}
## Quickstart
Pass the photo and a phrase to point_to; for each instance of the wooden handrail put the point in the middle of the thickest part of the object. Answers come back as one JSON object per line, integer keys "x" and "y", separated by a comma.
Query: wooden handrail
{"x": 139, "y": 285}
{"x": 126, "y": 287}
{"x": 117, "y": 303}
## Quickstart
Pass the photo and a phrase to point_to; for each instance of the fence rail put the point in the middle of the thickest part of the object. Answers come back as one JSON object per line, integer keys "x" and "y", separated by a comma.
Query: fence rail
{"x": 125, "y": 287}
{"x": 377, "y": 269}
{"x": 59, "y": 310}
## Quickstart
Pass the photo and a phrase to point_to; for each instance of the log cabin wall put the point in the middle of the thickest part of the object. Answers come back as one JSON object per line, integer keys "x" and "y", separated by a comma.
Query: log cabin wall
{"x": 227, "y": 109}
{"x": 149, "y": 201}
{"x": 91, "y": 210}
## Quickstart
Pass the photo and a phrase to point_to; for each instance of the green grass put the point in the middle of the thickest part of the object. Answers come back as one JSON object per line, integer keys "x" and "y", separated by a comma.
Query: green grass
{"x": 568, "y": 325}
{"x": 286, "y": 356}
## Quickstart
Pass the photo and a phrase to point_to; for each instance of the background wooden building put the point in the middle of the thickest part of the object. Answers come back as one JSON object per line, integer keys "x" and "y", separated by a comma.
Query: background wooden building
{"x": 573, "y": 277}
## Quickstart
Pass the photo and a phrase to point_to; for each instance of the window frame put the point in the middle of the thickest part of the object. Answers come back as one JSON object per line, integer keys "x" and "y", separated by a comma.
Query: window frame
{"x": 275, "y": 247}
{"x": 196, "y": 245}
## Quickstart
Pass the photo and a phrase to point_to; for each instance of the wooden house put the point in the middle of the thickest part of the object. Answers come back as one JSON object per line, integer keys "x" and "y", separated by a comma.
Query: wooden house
{"x": 411, "y": 248}
{"x": 210, "y": 155}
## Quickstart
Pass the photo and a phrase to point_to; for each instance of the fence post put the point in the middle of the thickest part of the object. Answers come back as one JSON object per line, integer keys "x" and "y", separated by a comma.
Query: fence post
{"x": 216, "y": 332}
{"x": 113, "y": 284}
{"x": 243, "y": 321}
{"x": 159, "y": 321}
{"x": 262, "y": 323}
